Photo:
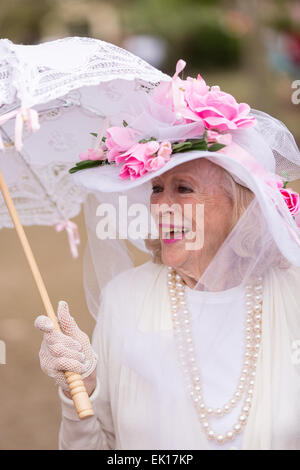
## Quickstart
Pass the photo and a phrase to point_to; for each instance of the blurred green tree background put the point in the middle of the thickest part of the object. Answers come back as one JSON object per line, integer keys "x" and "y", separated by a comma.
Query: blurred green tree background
{"x": 251, "y": 48}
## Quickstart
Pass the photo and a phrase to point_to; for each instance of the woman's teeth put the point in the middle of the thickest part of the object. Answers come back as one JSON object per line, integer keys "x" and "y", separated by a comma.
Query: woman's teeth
{"x": 173, "y": 233}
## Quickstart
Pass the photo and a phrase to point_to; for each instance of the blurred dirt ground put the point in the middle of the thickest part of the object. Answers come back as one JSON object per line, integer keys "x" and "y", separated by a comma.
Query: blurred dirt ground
{"x": 29, "y": 405}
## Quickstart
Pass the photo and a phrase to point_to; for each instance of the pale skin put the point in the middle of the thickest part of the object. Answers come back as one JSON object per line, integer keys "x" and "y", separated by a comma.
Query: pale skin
{"x": 194, "y": 182}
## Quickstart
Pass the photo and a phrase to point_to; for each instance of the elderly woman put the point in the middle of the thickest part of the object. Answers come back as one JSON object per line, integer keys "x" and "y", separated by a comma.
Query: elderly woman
{"x": 196, "y": 348}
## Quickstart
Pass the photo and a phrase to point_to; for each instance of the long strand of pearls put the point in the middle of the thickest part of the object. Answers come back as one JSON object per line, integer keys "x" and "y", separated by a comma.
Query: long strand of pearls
{"x": 186, "y": 351}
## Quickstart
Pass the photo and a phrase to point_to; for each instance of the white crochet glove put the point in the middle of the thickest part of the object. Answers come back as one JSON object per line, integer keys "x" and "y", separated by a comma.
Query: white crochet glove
{"x": 68, "y": 350}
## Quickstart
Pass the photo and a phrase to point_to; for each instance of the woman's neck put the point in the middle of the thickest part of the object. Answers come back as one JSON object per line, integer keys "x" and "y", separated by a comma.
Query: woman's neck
{"x": 189, "y": 279}
{"x": 191, "y": 273}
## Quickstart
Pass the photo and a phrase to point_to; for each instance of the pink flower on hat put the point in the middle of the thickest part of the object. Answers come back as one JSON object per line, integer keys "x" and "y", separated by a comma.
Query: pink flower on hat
{"x": 192, "y": 100}
{"x": 136, "y": 158}
{"x": 292, "y": 199}
{"x": 119, "y": 140}
{"x": 92, "y": 154}
{"x": 165, "y": 150}
{"x": 211, "y": 112}
{"x": 215, "y": 108}
{"x": 132, "y": 168}
{"x": 140, "y": 151}
{"x": 155, "y": 163}
{"x": 163, "y": 155}
{"x": 213, "y": 136}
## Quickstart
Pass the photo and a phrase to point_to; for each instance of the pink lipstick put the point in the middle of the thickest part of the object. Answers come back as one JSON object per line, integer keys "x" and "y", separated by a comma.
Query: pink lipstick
{"x": 172, "y": 240}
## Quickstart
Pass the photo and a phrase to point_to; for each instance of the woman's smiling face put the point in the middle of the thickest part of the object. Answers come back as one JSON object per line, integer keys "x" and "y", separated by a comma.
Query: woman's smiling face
{"x": 190, "y": 236}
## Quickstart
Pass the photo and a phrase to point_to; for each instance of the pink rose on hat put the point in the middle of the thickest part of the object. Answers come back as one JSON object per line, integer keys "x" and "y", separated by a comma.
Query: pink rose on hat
{"x": 215, "y": 108}
{"x": 292, "y": 199}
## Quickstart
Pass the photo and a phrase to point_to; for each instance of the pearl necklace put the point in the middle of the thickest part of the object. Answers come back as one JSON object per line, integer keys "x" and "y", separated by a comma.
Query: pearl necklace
{"x": 186, "y": 352}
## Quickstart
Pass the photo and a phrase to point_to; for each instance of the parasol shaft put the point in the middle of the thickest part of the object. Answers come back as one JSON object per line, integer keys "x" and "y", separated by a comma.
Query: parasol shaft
{"x": 77, "y": 389}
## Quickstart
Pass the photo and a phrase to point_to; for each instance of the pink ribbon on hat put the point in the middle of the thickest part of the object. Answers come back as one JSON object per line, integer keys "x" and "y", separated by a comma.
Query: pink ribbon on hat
{"x": 178, "y": 97}
{"x": 179, "y": 68}
{"x": 239, "y": 154}
{"x": 236, "y": 152}
{"x": 73, "y": 234}
{"x": 30, "y": 116}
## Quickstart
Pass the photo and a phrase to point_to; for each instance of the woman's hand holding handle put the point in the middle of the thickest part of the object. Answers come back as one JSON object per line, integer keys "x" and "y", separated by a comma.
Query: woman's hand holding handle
{"x": 68, "y": 350}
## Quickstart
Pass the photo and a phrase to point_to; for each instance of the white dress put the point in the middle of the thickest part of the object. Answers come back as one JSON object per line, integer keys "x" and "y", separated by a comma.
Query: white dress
{"x": 218, "y": 329}
{"x": 140, "y": 401}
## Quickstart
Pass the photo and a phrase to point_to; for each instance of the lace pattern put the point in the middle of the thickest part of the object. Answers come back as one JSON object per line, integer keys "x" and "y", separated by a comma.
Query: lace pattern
{"x": 52, "y": 69}
{"x": 71, "y": 82}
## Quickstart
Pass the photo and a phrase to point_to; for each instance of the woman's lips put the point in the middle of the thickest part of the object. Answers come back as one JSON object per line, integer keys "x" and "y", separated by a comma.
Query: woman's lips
{"x": 174, "y": 234}
{"x": 172, "y": 237}
{"x": 172, "y": 240}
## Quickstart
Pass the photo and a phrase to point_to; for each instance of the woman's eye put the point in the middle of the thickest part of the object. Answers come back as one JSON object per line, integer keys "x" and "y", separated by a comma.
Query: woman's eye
{"x": 156, "y": 189}
{"x": 184, "y": 189}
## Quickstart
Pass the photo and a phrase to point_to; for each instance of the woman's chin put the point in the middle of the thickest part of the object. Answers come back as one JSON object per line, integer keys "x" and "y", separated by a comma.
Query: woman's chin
{"x": 173, "y": 254}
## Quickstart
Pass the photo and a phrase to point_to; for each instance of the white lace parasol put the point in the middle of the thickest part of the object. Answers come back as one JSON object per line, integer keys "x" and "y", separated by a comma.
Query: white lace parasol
{"x": 60, "y": 89}
{"x": 71, "y": 82}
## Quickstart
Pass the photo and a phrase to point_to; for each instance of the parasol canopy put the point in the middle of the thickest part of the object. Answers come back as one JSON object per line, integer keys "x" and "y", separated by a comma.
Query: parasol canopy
{"x": 71, "y": 83}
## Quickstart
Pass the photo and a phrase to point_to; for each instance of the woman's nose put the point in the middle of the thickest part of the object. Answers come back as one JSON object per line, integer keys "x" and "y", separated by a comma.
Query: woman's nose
{"x": 165, "y": 198}
{"x": 163, "y": 205}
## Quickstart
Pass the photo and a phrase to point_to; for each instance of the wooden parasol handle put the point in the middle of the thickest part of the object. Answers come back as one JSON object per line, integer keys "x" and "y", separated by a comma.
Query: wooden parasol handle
{"x": 77, "y": 389}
